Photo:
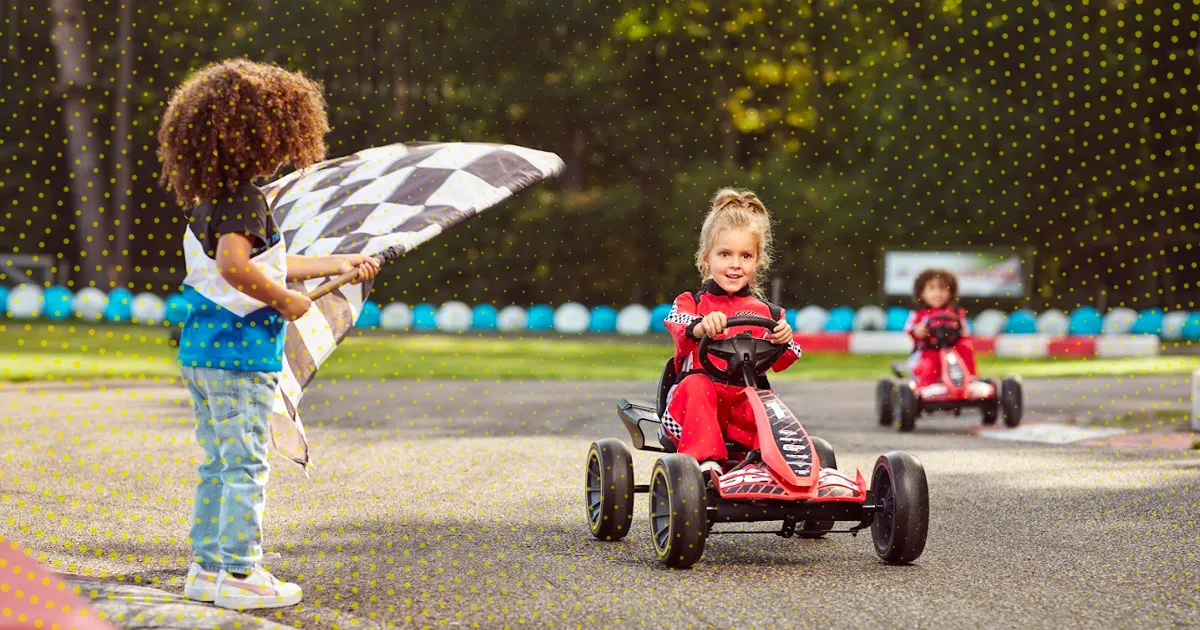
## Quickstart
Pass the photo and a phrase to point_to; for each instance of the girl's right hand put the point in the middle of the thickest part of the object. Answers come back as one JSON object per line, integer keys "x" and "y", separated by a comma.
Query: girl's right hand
{"x": 712, "y": 325}
{"x": 294, "y": 306}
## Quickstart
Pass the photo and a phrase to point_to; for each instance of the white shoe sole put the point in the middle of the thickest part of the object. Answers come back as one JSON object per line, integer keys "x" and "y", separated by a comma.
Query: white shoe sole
{"x": 200, "y": 594}
{"x": 256, "y": 602}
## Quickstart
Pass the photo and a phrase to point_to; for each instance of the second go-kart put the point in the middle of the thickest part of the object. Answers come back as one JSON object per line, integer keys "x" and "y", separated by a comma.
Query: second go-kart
{"x": 956, "y": 388}
{"x": 792, "y": 477}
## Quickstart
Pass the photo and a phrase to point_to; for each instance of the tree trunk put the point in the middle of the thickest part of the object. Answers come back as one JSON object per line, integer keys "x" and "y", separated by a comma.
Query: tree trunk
{"x": 728, "y": 135}
{"x": 119, "y": 270}
{"x": 87, "y": 183}
{"x": 573, "y": 177}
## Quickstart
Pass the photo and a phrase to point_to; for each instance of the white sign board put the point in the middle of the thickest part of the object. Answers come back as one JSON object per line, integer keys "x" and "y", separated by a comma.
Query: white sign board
{"x": 980, "y": 274}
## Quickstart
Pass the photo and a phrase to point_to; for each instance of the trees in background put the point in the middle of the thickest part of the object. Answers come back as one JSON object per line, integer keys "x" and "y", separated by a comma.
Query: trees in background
{"x": 1066, "y": 129}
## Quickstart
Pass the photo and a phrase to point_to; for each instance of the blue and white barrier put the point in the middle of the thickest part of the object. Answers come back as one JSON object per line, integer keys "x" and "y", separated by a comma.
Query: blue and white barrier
{"x": 1082, "y": 332}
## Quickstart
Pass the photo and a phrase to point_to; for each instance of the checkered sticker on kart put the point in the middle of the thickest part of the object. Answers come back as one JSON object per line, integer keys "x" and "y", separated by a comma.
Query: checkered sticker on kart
{"x": 395, "y": 198}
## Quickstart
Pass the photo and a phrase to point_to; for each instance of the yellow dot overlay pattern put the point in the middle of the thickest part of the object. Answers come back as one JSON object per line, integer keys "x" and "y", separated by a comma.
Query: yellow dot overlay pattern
{"x": 448, "y": 469}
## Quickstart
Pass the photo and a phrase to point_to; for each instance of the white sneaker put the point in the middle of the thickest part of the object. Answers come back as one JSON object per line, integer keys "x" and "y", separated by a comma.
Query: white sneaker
{"x": 201, "y": 585}
{"x": 260, "y": 589}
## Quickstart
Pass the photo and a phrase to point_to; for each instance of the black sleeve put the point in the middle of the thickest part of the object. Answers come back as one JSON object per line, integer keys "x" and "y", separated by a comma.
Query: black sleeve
{"x": 243, "y": 212}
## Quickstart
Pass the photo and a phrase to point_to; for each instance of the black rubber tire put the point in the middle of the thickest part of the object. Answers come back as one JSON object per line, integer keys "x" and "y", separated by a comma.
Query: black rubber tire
{"x": 906, "y": 408}
{"x": 1012, "y": 401}
{"x": 828, "y": 459}
{"x": 901, "y": 525}
{"x": 678, "y": 511}
{"x": 608, "y": 489}
{"x": 991, "y": 409}
{"x": 884, "y": 408}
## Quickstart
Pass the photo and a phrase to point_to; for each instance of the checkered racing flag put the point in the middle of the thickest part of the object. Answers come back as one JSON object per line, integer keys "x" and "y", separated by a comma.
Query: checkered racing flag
{"x": 381, "y": 202}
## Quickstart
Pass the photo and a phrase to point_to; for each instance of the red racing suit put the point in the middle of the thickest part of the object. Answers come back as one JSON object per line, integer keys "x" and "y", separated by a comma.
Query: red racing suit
{"x": 928, "y": 364}
{"x": 700, "y": 412}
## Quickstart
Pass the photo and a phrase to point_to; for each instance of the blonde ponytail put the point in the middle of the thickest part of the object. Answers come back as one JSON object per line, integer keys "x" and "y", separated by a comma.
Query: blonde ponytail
{"x": 737, "y": 209}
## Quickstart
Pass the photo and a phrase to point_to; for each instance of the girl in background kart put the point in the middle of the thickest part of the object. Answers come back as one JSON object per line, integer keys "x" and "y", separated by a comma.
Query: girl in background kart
{"x": 935, "y": 292}
{"x": 734, "y": 254}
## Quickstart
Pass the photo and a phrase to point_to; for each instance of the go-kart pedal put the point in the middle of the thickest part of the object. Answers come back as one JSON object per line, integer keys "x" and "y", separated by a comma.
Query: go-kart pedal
{"x": 753, "y": 457}
{"x": 792, "y": 477}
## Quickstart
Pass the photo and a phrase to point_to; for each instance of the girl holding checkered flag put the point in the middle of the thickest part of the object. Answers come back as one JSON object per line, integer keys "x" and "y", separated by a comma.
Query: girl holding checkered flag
{"x": 227, "y": 125}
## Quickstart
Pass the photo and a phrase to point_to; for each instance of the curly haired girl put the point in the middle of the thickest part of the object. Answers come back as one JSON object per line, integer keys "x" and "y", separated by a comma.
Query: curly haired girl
{"x": 227, "y": 125}
{"x": 935, "y": 292}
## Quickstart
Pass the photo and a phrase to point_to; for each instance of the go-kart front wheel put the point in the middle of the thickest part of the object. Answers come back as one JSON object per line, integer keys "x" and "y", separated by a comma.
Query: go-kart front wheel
{"x": 828, "y": 459}
{"x": 899, "y": 488}
{"x": 906, "y": 407}
{"x": 678, "y": 510}
{"x": 609, "y": 489}
{"x": 883, "y": 402}
{"x": 1012, "y": 401}
{"x": 991, "y": 407}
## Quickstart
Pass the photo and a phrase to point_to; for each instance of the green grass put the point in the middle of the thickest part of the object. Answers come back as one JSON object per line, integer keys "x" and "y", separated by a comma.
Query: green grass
{"x": 80, "y": 351}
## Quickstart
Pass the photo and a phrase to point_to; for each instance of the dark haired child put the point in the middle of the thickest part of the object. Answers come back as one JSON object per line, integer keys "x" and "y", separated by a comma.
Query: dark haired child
{"x": 227, "y": 125}
{"x": 936, "y": 292}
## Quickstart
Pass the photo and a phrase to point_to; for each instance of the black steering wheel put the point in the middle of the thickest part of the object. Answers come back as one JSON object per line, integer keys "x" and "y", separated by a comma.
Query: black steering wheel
{"x": 745, "y": 356}
{"x": 945, "y": 328}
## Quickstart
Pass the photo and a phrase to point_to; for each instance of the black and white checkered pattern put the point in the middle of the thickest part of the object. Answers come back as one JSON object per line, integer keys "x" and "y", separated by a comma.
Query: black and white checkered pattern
{"x": 671, "y": 426}
{"x": 677, "y": 316}
{"x": 390, "y": 197}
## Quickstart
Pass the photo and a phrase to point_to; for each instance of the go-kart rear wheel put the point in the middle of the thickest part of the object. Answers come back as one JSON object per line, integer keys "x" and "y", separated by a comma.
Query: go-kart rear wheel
{"x": 991, "y": 408}
{"x": 1012, "y": 401}
{"x": 906, "y": 407}
{"x": 884, "y": 409}
{"x": 678, "y": 510}
{"x": 827, "y": 459}
{"x": 609, "y": 489}
{"x": 899, "y": 487}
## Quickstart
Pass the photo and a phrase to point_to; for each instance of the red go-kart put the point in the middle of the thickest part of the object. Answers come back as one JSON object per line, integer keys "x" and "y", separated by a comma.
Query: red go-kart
{"x": 956, "y": 388}
{"x": 791, "y": 478}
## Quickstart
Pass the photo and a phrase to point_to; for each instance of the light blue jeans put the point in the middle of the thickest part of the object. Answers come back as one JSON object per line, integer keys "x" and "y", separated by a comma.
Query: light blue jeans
{"x": 233, "y": 427}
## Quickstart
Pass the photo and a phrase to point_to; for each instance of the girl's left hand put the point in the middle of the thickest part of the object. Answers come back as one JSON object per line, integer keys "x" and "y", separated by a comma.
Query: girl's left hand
{"x": 782, "y": 334}
{"x": 367, "y": 266}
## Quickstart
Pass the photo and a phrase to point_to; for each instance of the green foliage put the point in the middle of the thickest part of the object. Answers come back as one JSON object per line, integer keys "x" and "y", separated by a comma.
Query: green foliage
{"x": 1067, "y": 130}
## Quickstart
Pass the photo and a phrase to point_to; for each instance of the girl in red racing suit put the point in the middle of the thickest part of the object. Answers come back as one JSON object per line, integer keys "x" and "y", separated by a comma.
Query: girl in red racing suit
{"x": 733, "y": 257}
{"x": 936, "y": 292}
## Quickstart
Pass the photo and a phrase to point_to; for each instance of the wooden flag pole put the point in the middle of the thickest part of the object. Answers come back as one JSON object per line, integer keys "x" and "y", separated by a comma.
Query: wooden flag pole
{"x": 384, "y": 257}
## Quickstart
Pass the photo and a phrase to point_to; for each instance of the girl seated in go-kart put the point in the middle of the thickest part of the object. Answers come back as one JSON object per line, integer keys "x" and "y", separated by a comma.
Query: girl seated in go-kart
{"x": 936, "y": 294}
{"x": 734, "y": 254}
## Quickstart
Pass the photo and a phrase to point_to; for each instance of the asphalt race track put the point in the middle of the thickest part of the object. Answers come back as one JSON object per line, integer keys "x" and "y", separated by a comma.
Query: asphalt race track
{"x": 461, "y": 503}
